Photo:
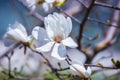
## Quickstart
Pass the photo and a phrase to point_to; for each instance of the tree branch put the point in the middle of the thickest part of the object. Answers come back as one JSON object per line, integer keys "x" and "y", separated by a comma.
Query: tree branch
{"x": 9, "y": 50}
{"x": 91, "y": 65}
{"x": 49, "y": 64}
{"x": 111, "y": 31}
{"x": 35, "y": 14}
{"x": 83, "y": 23}
{"x": 80, "y": 1}
{"x": 108, "y": 41}
{"x": 107, "y": 5}
{"x": 66, "y": 14}
{"x": 108, "y": 24}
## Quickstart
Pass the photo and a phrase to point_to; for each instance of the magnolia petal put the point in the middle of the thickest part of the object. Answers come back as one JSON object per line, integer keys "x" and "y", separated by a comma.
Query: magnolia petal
{"x": 45, "y": 48}
{"x": 57, "y": 25}
{"x": 69, "y": 26}
{"x": 64, "y": 23}
{"x": 75, "y": 61}
{"x": 35, "y": 32}
{"x": 51, "y": 22}
{"x": 29, "y": 38}
{"x": 59, "y": 51}
{"x": 88, "y": 72}
{"x": 50, "y": 26}
{"x": 16, "y": 35}
{"x": 33, "y": 8}
{"x": 79, "y": 67}
{"x": 69, "y": 42}
{"x": 31, "y": 4}
{"x": 7, "y": 41}
{"x": 19, "y": 26}
{"x": 61, "y": 24}
{"x": 61, "y": 20}
{"x": 39, "y": 33}
{"x": 49, "y": 1}
{"x": 40, "y": 36}
{"x": 80, "y": 70}
{"x": 46, "y": 7}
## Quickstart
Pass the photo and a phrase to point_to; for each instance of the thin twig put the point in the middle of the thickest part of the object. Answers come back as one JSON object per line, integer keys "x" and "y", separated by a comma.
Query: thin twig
{"x": 107, "y": 5}
{"x": 62, "y": 11}
{"x": 108, "y": 40}
{"x": 62, "y": 69}
{"x": 110, "y": 33}
{"x": 9, "y": 66}
{"x": 81, "y": 2}
{"x": 35, "y": 14}
{"x": 108, "y": 24}
{"x": 91, "y": 65}
{"x": 83, "y": 23}
{"x": 90, "y": 19}
{"x": 49, "y": 64}
{"x": 9, "y": 50}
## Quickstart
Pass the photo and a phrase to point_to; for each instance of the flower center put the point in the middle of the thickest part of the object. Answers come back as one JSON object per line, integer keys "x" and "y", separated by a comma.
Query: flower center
{"x": 58, "y": 39}
{"x": 41, "y": 1}
{"x": 59, "y": 2}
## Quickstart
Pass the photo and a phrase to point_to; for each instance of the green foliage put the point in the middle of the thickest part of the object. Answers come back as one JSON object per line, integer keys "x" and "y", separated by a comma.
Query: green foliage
{"x": 65, "y": 75}
{"x": 31, "y": 42}
{"x": 113, "y": 77}
{"x": 4, "y": 75}
{"x": 98, "y": 76}
{"x": 116, "y": 63}
{"x": 96, "y": 36}
{"x": 101, "y": 76}
{"x": 50, "y": 76}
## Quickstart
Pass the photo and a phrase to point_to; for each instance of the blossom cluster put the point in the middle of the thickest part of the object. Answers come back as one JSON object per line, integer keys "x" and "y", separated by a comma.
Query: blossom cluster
{"x": 47, "y": 5}
{"x": 54, "y": 39}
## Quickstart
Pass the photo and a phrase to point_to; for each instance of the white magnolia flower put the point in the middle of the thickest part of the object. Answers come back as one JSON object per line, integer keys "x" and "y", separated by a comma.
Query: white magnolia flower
{"x": 80, "y": 70}
{"x": 16, "y": 33}
{"x": 25, "y": 64}
{"x": 48, "y": 4}
{"x": 31, "y": 4}
{"x": 50, "y": 1}
{"x": 55, "y": 37}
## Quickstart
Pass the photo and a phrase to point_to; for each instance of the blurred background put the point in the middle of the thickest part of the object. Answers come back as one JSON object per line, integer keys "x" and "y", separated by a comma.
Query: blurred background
{"x": 13, "y": 10}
